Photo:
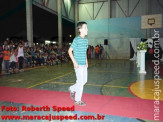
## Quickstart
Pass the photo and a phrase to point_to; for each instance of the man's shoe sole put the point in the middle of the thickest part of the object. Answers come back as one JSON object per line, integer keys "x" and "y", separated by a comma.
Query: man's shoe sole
{"x": 72, "y": 97}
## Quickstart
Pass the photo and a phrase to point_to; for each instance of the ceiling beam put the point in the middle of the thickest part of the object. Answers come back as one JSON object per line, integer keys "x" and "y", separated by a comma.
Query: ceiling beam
{"x": 91, "y": 1}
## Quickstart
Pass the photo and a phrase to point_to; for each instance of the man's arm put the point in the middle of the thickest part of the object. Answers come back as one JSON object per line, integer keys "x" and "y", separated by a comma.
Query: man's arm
{"x": 72, "y": 58}
{"x": 86, "y": 62}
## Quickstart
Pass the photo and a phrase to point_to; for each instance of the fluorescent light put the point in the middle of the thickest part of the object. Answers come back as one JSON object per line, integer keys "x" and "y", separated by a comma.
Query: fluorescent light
{"x": 47, "y": 42}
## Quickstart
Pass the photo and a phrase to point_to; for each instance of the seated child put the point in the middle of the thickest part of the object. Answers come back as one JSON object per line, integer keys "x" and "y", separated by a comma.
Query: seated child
{"x": 49, "y": 61}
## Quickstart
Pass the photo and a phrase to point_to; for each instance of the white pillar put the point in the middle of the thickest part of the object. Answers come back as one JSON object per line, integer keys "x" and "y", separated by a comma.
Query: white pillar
{"x": 29, "y": 22}
{"x": 76, "y": 16}
{"x": 59, "y": 4}
{"x": 142, "y": 61}
{"x": 138, "y": 58}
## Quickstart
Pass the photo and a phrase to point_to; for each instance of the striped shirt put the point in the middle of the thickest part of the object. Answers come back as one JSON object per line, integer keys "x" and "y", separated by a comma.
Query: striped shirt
{"x": 79, "y": 46}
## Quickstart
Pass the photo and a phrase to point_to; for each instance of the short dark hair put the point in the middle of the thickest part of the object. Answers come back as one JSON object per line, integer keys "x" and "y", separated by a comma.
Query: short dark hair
{"x": 79, "y": 26}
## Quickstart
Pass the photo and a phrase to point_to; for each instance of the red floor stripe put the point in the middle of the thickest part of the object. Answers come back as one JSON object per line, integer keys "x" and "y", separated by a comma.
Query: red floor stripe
{"x": 111, "y": 105}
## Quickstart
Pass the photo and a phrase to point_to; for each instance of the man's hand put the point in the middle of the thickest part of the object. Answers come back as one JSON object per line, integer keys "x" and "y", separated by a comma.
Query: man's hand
{"x": 86, "y": 62}
{"x": 76, "y": 65}
{"x": 87, "y": 65}
{"x": 72, "y": 58}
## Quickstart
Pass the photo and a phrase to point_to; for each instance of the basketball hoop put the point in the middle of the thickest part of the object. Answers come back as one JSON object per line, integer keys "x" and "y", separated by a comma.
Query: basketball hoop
{"x": 151, "y": 21}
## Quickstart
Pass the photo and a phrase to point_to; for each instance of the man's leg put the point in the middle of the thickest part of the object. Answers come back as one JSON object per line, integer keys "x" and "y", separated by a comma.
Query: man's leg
{"x": 5, "y": 63}
{"x": 8, "y": 66}
{"x": 1, "y": 60}
{"x": 85, "y": 75}
{"x": 78, "y": 86}
{"x": 21, "y": 62}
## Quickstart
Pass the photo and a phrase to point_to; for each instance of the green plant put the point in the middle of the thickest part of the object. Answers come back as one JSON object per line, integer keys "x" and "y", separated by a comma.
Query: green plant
{"x": 142, "y": 46}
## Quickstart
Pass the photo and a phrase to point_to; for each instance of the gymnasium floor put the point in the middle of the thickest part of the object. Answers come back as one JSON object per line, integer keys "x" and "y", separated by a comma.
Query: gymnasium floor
{"x": 116, "y": 80}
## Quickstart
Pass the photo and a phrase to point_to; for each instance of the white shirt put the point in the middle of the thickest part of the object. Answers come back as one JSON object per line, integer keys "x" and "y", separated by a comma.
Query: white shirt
{"x": 20, "y": 52}
{"x": 12, "y": 58}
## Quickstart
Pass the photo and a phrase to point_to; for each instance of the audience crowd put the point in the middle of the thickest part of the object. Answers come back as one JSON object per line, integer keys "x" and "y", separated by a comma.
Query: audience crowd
{"x": 18, "y": 55}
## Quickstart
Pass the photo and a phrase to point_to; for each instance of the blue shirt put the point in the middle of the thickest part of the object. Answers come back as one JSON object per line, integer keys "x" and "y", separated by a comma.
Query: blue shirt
{"x": 79, "y": 46}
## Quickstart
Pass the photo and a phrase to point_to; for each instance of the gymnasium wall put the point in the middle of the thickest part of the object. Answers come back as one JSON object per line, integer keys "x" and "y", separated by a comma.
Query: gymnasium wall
{"x": 118, "y": 31}
{"x": 118, "y": 8}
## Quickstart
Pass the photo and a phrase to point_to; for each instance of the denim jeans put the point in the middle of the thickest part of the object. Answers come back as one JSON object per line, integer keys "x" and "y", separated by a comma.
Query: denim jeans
{"x": 21, "y": 62}
{"x": 81, "y": 76}
{"x": 6, "y": 62}
{"x": 1, "y": 60}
